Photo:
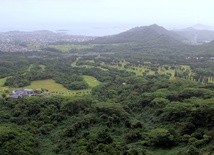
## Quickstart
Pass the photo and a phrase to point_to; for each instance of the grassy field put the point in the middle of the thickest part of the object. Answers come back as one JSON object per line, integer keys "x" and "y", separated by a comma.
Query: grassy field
{"x": 42, "y": 67}
{"x": 55, "y": 88}
{"x": 211, "y": 80}
{"x": 52, "y": 86}
{"x": 89, "y": 66}
{"x": 30, "y": 67}
{"x": 140, "y": 70}
{"x": 2, "y": 81}
{"x": 92, "y": 81}
{"x": 49, "y": 84}
{"x": 58, "y": 89}
{"x": 2, "y": 88}
{"x": 34, "y": 46}
{"x": 68, "y": 47}
{"x": 170, "y": 71}
{"x": 74, "y": 64}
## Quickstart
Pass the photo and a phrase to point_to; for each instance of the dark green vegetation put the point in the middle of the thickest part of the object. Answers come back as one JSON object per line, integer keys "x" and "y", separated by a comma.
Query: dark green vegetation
{"x": 156, "y": 100}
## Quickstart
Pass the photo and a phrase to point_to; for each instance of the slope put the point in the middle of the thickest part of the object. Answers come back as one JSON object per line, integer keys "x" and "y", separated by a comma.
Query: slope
{"x": 147, "y": 35}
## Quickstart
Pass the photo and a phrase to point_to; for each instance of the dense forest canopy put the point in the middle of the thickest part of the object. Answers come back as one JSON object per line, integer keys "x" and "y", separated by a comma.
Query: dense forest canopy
{"x": 110, "y": 96}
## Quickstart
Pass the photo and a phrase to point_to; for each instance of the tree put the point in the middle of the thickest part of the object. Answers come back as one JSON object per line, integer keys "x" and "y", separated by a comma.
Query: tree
{"x": 16, "y": 141}
{"x": 161, "y": 137}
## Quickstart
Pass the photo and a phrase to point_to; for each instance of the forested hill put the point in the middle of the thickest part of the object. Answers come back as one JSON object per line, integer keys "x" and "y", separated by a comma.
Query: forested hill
{"x": 211, "y": 44}
{"x": 41, "y": 36}
{"x": 195, "y": 36}
{"x": 147, "y": 35}
{"x": 205, "y": 49}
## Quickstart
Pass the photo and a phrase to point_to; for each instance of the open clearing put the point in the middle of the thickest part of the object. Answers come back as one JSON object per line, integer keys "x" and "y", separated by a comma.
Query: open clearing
{"x": 2, "y": 81}
{"x": 140, "y": 70}
{"x": 68, "y": 47}
{"x": 74, "y": 64}
{"x": 49, "y": 84}
{"x": 92, "y": 81}
{"x": 2, "y": 88}
{"x": 55, "y": 88}
{"x": 52, "y": 86}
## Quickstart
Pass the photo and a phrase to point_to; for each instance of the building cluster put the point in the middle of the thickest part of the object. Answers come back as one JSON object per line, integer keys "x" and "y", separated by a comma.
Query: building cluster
{"x": 17, "y": 41}
{"x": 21, "y": 93}
{"x": 7, "y": 47}
{"x": 199, "y": 58}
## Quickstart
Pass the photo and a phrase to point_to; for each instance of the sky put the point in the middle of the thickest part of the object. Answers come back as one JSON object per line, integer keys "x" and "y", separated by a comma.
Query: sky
{"x": 102, "y": 17}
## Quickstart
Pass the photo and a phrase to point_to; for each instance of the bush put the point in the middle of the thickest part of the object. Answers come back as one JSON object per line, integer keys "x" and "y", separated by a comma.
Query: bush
{"x": 159, "y": 102}
{"x": 45, "y": 129}
{"x": 161, "y": 137}
{"x": 78, "y": 85}
{"x": 192, "y": 151}
{"x": 132, "y": 137}
{"x": 104, "y": 137}
{"x": 16, "y": 141}
{"x": 74, "y": 106}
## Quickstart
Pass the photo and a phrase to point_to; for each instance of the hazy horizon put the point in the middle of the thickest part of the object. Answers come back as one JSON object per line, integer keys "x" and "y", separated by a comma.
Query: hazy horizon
{"x": 101, "y": 17}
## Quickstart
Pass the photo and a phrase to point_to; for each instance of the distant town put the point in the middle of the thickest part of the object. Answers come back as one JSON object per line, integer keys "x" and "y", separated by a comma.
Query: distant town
{"x": 18, "y": 41}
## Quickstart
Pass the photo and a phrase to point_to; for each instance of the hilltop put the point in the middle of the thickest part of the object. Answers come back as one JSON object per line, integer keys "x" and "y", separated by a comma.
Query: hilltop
{"x": 196, "y": 36}
{"x": 147, "y": 35}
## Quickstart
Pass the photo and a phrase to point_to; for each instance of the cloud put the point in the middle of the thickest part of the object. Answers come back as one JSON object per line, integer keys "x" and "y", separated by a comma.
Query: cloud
{"x": 163, "y": 12}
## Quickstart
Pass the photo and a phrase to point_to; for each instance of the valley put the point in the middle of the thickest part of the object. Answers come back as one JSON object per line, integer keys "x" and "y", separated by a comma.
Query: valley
{"x": 141, "y": 92}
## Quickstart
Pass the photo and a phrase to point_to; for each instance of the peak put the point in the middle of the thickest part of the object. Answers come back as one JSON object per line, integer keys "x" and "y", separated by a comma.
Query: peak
{"x": 150, "y": 27}
{"x": 190, "y": 29}
{"x": 212, "y": 42}
{"x": 154, "y": 25}
{"x": 202, "y": 27}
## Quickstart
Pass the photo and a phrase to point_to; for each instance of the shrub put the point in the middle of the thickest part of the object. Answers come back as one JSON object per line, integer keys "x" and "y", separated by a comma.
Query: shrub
{"x": 161, "y": 137}
{"x": 16, "y": 141}
{"x": 192, "y": 151}
{"x": 133, "y": 136}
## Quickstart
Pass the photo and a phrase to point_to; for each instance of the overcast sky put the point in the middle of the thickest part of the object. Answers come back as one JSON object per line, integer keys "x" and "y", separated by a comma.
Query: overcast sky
{"x": 102, "y": 16}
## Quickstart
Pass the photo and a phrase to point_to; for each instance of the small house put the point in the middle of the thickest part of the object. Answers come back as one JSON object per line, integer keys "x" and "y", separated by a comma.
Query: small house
{"x": 22, "y": 93}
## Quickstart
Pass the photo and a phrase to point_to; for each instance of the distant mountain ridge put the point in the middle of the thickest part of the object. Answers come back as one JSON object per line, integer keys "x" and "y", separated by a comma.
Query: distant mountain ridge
{"x": 148, "y": 35}
{"x": 152, "y": 36}
{"x": 20, "y": 41}
{"x": 203, "y": 27}
{"x": 196, "y": 36}
{"x": 43, "y": 36}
